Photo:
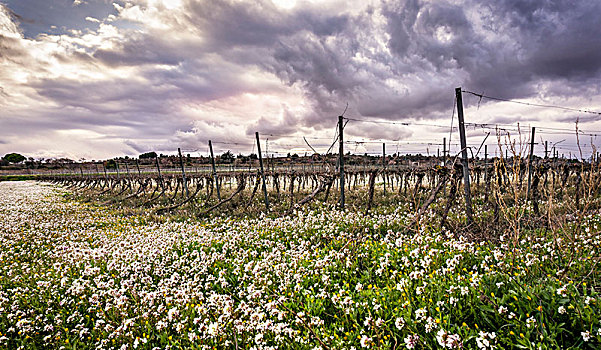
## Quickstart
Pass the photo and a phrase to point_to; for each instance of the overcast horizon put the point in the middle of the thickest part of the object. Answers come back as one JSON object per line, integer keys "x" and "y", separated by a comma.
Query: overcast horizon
{"x": 97, "y": 79}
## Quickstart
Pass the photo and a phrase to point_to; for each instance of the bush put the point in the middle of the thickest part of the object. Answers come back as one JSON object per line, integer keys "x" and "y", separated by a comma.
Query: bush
{"x": 14, "y": 158}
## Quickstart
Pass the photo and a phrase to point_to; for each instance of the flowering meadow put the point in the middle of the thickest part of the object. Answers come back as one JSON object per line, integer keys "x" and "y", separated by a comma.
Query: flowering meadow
{"x": 78, "y": 276}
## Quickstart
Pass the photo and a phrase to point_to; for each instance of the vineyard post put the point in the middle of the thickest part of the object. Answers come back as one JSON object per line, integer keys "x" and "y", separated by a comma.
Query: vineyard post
{"x": 117, "y": 166}
{"x": 384, "y": 166}
{"x": 159, "y": 170}
{"x": 341, "y": 158}
{"x": 530, "y": 163}
{"x": 181, "y": 164}
{"x": 104, "y": 167}
{"x": 262, "y": 172}
{"x": 444, "y": 160}
{"x": 216, "y": 180}
{"x": 464, "y": 160}
{"x": 81, "y": 169}
{"x": 138, "y": 166}
{"x": 444, "y": 151}
{"x": 96, "y": 166}
{"x": 546, "y": 149}
{"x": 486, "y": 172}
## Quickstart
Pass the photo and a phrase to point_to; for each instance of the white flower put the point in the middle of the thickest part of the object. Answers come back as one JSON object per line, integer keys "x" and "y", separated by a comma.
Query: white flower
{"x": 365, "y": 340}
{"x": 400, "y": 323}
{"x": 411, "y": 341}
{"x": 441, "y": 337}
{"x": 502, "y": 310}
{"x": 420, "y": 314}
{"x": 430, "y": 325}
{"x": 485, "y": 340}
{"x": 213, "y": 327}
{"x": 530, "y": 321}
{"x": 586, "y": 336}
{"x": 447, "y": 340}
{"x": 561, "y": 310}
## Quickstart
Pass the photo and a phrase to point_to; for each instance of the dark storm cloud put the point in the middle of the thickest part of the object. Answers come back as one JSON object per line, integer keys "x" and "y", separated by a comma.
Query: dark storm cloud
{"x": 394, "y": 60}
{"x": 260, "y": 23}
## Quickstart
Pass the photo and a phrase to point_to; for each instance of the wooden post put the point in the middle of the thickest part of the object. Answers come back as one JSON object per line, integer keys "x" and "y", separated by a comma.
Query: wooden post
{"x": 159, "y": 170}
{"x": 464, "y": 160}
{"x": 485, "y": 156}
{"x": 341, "y": 158}
{"x": 486, "y": 173}
{"x": 138, "y": 166}
{"x": 216, "y": 180}
{"x": 530, "y": 158}
{"x": 384, "y": 166}
{"x": 546, "y": 149}
{"x": 181, "y": 164}
{"x": 444, "y": 151}
{"x": 262, "y": 172}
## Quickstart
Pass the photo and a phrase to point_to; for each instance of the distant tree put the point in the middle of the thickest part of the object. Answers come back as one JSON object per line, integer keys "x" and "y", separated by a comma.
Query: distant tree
{"x": 294, "y": 156}
{"x": 111, "y": 164}
{"x": 227, "y": 157}
{"x": 148, "y": 155}
{"x": 253, "y": 156}
{"x": 14, "y": 158}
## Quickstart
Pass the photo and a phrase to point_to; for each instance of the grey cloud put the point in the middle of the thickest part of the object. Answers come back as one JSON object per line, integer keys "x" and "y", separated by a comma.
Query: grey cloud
{"x": 395, "y": 60}
{"x": 377, "y": 131}
{"x": 231, "y": 23}
{"x": 288, "y": 124}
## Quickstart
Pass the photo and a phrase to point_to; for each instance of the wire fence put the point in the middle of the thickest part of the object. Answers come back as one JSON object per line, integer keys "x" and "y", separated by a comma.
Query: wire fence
{"x": 435, "y": 140}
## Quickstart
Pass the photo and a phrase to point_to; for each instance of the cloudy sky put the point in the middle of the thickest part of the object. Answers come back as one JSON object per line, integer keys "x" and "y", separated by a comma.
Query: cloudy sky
{"x": 102, "y": 78}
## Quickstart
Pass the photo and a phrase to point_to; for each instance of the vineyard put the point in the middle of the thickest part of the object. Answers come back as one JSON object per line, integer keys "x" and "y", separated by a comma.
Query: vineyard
{"x": 332, "y": 251}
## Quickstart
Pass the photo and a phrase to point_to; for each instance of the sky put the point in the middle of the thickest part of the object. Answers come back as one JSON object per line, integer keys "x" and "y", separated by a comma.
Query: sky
{"x": 96, "y": 79}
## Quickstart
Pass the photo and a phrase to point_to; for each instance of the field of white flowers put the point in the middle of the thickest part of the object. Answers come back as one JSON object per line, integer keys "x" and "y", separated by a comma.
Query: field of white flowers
{"x": 76, "y": 276}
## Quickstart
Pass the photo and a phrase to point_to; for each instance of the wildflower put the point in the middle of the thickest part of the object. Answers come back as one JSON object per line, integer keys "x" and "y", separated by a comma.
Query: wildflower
{"x": 365, "y": 340}
{"x": 411, "y": 341}
{"x": 213, "y": 327}
{"x": 485, "y": 340}
{"x": 399, "y": 323}
{"x": 530, "y": 321}
{"x": 561, "y": 310}
{"x": 586, "y": 336}
{"x": 430, "y": 324}
{"x": 447, "y": 340}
